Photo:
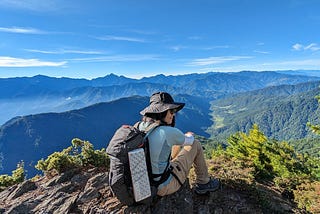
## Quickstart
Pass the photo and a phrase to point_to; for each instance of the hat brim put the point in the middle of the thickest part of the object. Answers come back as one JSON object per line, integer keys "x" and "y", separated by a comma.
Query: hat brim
{"x": 159, "y": 108}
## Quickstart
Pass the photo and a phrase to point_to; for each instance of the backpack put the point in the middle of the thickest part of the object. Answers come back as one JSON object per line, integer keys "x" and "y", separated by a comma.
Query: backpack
{"x": 128, "y": 138}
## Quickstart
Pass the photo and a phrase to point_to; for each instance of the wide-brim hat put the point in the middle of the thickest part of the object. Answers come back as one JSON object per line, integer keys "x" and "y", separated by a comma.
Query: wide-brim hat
{"x": 161, "y": 102}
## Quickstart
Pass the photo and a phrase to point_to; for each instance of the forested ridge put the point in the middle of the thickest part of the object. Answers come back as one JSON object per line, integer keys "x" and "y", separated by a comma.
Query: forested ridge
{"x": 281, "y": 112}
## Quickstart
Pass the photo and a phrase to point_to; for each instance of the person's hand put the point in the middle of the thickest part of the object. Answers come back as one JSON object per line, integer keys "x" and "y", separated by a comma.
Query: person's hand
{"x": 189, "y": 134}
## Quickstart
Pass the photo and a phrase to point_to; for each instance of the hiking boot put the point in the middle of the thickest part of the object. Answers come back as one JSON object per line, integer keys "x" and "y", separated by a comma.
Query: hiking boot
{"x": 211, "y": 186}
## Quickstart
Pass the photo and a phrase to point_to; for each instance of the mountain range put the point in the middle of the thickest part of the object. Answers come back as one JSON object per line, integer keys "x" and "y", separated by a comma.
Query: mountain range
{"x": 46, "y": 113}
{"x": 40, "y": 94}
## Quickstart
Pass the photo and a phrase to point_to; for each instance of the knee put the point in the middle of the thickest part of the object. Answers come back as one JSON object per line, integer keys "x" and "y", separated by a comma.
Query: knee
{"x": 197, "y": 144}
{"x": 175, "y": 151}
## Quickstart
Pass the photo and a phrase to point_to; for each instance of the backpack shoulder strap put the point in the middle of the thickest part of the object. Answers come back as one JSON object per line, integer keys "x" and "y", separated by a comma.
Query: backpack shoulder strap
{"x": 137, "y": 124}
{"x": 151, "y": 127}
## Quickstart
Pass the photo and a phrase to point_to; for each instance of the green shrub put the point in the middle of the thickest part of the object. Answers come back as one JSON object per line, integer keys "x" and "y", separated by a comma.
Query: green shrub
{"x": 89, "y": 156}
{"x": 217, "y": 152}
{"x": 252, "y": 148}
{"x": 18, "y": 176}
{"x": 253, "y": 157}
{"x": 273, "y": 160}
{"x": 6, "y": 180}
{"x": 58, "y": 161}
{"x": 80, "y": 154}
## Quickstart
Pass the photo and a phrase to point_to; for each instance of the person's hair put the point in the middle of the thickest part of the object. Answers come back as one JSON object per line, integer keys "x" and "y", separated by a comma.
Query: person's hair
{"x": 152, "y": 117}
{"x": 157, "y": 116}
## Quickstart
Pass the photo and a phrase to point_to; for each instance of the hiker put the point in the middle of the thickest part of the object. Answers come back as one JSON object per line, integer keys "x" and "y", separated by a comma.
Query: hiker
{"x": 166, "y": 141}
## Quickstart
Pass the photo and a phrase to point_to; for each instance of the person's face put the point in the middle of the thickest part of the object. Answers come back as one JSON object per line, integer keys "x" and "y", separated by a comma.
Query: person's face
{"x": 169, "y": 116}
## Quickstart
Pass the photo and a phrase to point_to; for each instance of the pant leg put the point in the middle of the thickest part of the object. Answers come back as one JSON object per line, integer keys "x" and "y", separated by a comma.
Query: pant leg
{"x": 182, "y": 163}
{"x": 193, "y": 155}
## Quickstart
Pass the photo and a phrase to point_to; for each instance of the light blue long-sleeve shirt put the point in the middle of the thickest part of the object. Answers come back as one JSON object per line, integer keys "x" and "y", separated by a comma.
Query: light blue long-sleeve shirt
{"x": 161, "y": 140}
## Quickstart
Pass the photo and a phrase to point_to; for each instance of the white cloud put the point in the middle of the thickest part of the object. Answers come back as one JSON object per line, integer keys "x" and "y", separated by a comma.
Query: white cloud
{"x": 216, "y": 47}
{"x": 177, "y": 48}
{"x": 121, "y": 38}
{"x": 311, "y": 47}
{"x": 261, "y": 52}
{"x": 62, "y": 51}
{"x": 21, "y": 30}
{"x": 6, "y": 61}
{"x": 180, "y": 47}
{"x": 297, "y": 47}
{"x": 216, "y": 60}
{"x": 118, "y": 58}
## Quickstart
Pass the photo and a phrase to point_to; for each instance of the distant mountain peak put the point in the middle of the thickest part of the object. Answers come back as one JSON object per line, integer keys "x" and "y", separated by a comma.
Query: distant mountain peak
{"x": 112, "y": 75}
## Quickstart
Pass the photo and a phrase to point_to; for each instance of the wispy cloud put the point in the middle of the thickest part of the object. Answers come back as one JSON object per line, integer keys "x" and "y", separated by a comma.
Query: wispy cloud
{"x": 180, "y": 47}
{"x": 177, "y": 48}
{"x": 33, "y": 5}
{"x": 6, "y": 61}
{"x": 121, "y": 38}
{"x": 63, "y": 51}
{"x": 118, "y": 58}
{"x": 216, "y": 47}
{"x": 142, "y": 32}
{"x": 261, "y": 52}
{"x": 216, "y": 60}
{"x": 22, "y": 30}
{"x": 297, "y": 47}
{"x": 311, "y": 47}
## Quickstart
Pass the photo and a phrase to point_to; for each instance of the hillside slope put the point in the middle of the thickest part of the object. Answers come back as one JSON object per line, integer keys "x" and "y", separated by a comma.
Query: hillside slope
{"x": 281, "y": 112}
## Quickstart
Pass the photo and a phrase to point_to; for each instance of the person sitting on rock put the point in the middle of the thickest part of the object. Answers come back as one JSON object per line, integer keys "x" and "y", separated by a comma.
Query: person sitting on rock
{"x": 173, "y": 153}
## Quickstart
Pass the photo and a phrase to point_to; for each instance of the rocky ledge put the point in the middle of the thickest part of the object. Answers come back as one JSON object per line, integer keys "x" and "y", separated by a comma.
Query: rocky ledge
{"x": 88, "y": 192}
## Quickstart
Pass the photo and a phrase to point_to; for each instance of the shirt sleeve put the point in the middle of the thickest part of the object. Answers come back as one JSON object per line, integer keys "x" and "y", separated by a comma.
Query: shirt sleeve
{"x": 174, "y": 136}
{"x": 188, "y": 140}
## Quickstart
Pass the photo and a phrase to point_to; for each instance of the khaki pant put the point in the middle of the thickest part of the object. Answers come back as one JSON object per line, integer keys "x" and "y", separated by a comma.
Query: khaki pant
{"x": 183, "y": 159}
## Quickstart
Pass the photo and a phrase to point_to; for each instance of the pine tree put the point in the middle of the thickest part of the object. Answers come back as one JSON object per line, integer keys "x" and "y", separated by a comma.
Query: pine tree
{"x": 251, "y": 147}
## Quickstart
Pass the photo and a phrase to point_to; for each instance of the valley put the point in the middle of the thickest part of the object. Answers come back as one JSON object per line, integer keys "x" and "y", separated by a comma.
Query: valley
{"x": 45, "y": 113}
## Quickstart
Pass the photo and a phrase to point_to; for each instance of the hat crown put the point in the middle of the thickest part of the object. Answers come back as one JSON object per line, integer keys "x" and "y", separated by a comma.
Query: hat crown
{"x": 161, "y": 102}
{"x": 161, "y": 97}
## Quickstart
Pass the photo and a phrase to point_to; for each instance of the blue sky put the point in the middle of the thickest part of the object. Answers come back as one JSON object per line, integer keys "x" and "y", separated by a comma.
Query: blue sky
{"x": 135, "y": 38}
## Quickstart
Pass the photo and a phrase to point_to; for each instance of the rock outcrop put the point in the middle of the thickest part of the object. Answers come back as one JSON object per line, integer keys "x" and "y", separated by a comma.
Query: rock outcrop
{"x": 88, "y": 192}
